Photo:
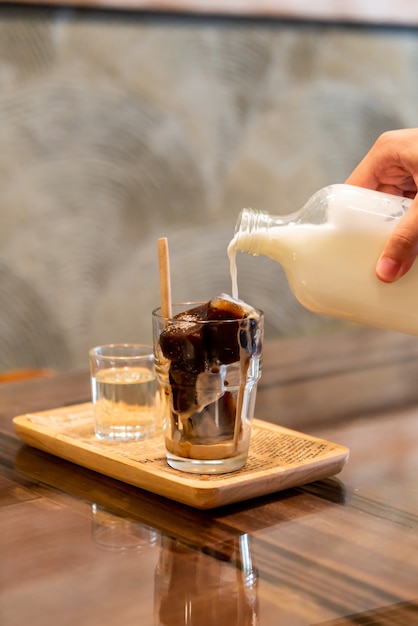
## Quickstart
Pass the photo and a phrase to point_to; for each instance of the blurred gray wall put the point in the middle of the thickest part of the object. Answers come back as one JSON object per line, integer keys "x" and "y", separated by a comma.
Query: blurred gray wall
{"x": 119, "y": 128}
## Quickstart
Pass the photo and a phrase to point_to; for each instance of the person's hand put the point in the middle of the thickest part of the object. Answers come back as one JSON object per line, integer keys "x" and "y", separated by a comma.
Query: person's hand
{"x": 391, "y": 165}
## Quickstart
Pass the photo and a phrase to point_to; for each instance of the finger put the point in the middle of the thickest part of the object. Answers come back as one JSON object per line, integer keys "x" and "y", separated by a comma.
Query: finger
{"x": 363, "y": 176}
{"x": 401, "y": 249}
{"x": 391, "y": 162}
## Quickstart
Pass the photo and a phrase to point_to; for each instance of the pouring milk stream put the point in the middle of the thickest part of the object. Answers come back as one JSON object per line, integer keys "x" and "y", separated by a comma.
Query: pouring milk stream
{"x": 329, "y": 250}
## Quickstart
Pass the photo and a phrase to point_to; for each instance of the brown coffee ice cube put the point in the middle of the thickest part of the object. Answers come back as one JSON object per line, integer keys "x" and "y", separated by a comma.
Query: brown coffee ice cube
{"x": 197, "y": 349}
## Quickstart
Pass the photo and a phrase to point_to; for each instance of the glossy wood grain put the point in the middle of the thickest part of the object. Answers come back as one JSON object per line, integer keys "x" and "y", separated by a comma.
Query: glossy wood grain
{"x": 78, "y": 547}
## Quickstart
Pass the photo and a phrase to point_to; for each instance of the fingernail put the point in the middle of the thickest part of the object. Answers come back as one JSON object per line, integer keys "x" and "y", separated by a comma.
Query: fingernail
{"x": 387, "y": 269}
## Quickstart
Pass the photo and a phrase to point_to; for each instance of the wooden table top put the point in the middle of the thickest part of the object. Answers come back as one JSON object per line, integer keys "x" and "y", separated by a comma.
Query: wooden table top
{"x": 80, "y": 548}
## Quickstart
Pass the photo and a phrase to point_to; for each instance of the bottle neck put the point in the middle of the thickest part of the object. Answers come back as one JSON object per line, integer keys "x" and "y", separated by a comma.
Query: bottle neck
{"x": 250, "y": 223}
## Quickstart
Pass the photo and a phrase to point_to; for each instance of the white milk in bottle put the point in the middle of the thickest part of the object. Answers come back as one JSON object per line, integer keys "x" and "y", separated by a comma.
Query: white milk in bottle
{"x": 329, "y": 250}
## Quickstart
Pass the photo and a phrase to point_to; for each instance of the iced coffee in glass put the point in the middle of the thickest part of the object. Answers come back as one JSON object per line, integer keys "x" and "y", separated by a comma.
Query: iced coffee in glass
{"x": 208, "y": 363}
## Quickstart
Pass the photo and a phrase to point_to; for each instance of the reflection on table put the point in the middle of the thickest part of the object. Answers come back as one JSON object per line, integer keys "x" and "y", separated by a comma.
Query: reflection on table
{"x": 204, "y": 588}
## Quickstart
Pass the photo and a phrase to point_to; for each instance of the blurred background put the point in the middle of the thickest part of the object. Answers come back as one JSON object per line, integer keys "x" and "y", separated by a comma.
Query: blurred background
{"x": 117, "y": 128}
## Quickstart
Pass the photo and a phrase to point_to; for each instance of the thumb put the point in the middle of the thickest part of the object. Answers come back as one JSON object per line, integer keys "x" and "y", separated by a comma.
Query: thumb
{"x": 401, "y": 249}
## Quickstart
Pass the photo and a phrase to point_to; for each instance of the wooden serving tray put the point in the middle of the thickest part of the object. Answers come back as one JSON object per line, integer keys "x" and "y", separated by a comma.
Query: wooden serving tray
{"x": 278, "y": 459}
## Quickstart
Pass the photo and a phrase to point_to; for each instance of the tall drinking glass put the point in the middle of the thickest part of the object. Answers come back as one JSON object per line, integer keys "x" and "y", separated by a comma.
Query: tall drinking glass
{"x": 207, "y": 372}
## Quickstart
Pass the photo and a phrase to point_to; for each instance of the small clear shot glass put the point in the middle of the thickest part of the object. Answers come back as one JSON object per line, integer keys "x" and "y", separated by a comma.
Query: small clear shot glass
{"x": 124, "y": 390}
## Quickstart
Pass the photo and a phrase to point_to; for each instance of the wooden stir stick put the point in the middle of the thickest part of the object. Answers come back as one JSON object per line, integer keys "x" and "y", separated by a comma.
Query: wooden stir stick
{"x": 165, "y": 282}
